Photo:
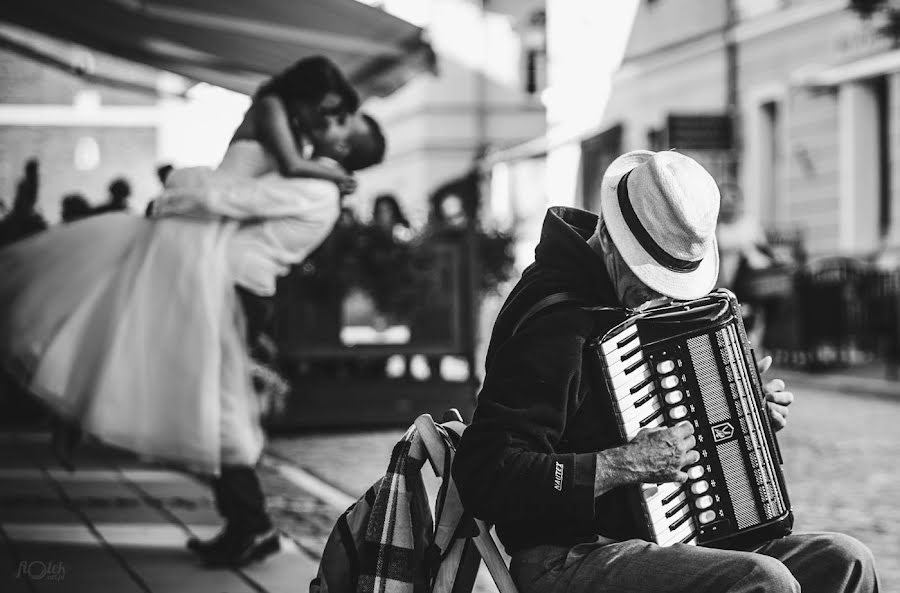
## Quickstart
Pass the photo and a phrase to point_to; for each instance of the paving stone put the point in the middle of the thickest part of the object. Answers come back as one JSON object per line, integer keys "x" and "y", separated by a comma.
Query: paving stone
{"x": 173, "y": 569}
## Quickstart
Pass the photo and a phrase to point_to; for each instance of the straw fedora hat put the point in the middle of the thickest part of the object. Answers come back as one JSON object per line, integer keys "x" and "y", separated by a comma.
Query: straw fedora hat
{"x": 660, "y": 210}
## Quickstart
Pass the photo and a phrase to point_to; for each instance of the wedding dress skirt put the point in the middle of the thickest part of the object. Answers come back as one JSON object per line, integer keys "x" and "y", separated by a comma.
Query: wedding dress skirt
{"x": 131, "y": 328}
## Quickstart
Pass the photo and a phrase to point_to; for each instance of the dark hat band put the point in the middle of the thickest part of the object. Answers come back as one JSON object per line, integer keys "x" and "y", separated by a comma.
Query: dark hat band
{"x": 643, "y": 237}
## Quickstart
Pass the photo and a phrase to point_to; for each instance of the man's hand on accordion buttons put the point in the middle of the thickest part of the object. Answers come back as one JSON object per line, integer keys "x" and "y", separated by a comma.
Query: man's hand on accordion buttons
{"x": 659, "y": 454}
{"x": 777, "y": 399}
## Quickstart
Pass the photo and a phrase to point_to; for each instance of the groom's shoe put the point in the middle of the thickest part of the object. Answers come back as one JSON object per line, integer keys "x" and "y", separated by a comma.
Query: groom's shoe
{"x": 205, "y": 546}
{"x": 240, "y": 549}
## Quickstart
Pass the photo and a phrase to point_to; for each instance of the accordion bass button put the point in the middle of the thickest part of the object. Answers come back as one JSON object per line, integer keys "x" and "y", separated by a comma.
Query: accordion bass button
{"x": 673, "y": 397}
{"x": 695, "y": 472}
{"x": 665, "y": 367}
{"x": 669, "y": 382}
{"x": 678, "y": 412}
{"x": 704, "y": 502}
{"x": 706, "y": 517}
{"x": 700, "y": 487}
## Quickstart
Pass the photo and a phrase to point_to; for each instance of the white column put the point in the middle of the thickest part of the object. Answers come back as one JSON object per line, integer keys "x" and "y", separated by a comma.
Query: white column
{"x": 858, "y": 168}
{"x": 892, "y": 239}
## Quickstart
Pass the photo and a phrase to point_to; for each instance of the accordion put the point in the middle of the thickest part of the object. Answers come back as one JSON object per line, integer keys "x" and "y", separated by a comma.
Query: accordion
{"x": 692, "y": 361}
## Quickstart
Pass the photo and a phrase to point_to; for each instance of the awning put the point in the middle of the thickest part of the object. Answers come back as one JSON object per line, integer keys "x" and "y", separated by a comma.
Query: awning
{"x": 237, "y": 44}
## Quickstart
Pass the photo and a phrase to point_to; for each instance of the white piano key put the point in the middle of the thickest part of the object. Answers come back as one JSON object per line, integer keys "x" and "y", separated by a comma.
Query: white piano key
{"x": 641, "y": 420}
{"x": 657, "y": 511}
{"x": 628, "y": 366}
{"x": 613, "y": 343}
{"x": 667, "y": 494}
{"x": 632, "y": 410}
{"x": 632, "y": 427}
{"x": 640, "y": 374}
{"x": 681, "y": 532}
{"x": 624, "y": 397}
{"x": 684, "y": 511}
{"x": 665, "y": 536}
{"x": 653, "y": 504}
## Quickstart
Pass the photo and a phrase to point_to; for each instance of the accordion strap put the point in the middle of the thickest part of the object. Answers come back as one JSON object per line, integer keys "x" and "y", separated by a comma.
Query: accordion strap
{"x": 546, "y": 302}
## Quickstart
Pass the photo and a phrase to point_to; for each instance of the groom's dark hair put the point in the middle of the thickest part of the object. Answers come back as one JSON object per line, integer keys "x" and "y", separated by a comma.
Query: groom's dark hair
{"x": 366, "y": 150}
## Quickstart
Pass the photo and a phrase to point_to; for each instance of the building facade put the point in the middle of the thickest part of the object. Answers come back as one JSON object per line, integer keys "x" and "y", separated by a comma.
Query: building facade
{"x": 86, "y": 133}
{"x": 438, "y": 126}
{"x": 795, "y": 101}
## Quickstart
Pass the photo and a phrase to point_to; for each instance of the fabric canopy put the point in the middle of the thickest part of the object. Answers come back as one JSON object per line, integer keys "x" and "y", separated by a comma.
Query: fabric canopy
{"x": 237, "y": 44}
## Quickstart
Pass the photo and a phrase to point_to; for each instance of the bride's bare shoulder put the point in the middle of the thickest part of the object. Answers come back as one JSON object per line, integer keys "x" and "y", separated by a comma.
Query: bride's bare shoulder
{"x": 247, "y": 130}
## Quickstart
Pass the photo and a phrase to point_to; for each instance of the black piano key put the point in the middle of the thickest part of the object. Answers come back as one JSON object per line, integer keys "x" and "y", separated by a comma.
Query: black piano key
{"x": 645, "y": 399}
{"x": 673, "y": 511}
{"x": 624, "y": 341}
{"x": 651, "y": 418}
{"x": 690, "y": 537}
{"x": 646, "y": 381}
{"x": 634, "y": 366}
{"x": 630, "y": 353}
{"x": 679, "y": 522}
{"x": 671, "y": 497}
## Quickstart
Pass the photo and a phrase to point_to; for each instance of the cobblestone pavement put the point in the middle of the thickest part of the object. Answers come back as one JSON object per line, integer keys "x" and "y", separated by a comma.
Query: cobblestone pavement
{"x": 841, "y": 463}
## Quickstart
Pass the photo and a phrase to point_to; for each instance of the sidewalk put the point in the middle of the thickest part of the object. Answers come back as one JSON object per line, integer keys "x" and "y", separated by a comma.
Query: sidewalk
{"x": 118, "y": 526}
{"x": 113, "y": 526}
{"x": 861, "y": 381}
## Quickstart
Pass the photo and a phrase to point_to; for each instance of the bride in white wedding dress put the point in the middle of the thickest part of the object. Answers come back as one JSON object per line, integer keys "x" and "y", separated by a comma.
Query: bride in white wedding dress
{"x": 131, "y": 329}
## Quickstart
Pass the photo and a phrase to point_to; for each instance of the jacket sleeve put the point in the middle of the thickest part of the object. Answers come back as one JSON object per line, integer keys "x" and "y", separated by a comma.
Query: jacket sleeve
{"x": 507, "y": 467}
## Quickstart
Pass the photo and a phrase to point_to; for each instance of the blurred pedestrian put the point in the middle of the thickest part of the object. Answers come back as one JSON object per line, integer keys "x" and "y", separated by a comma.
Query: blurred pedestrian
{"x": 74, "y": 207}
{"x": 388, "y": 216}
{"x": 162, "y": 173}
{"x": 119, "y": 192}
{"x": 23, "y": 220}
{"x": 743, "y": 252}
{"x": 140, "y": 336}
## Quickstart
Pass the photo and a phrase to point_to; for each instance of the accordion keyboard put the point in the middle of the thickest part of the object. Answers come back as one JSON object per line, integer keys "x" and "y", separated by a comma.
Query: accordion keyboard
{"x": 633, "y": 385}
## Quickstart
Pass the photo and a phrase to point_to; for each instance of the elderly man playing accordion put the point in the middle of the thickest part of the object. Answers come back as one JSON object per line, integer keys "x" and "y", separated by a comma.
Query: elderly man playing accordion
{"x": 551, "y": 464}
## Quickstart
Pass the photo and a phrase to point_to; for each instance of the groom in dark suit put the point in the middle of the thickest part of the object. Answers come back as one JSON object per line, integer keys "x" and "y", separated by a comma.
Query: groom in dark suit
{"x": 254, "y": 255}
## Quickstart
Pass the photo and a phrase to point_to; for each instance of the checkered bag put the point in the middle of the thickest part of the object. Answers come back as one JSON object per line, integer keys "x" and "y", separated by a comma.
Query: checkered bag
{"x": 382, "y": 542}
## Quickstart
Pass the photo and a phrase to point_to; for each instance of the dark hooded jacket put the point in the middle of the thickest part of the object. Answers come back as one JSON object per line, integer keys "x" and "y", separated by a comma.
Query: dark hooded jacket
{"x": 527, "y": 461}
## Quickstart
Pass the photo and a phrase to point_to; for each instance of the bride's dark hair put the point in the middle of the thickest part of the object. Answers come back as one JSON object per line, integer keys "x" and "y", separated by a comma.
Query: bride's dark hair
{"x": 308, "y": 80}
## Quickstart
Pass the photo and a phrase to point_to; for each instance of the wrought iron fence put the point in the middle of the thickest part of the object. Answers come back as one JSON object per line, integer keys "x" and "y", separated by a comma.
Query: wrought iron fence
{"x": 839, "y": 312}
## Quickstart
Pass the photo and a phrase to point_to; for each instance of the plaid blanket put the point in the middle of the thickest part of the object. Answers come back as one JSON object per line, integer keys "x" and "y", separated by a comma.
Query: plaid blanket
{"x": 400, "y": 525}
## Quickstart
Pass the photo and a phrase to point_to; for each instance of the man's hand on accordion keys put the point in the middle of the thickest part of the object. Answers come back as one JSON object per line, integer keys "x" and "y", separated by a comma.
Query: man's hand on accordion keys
{"x": 660, "y": 454}
{"x": 777, "y": 399}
